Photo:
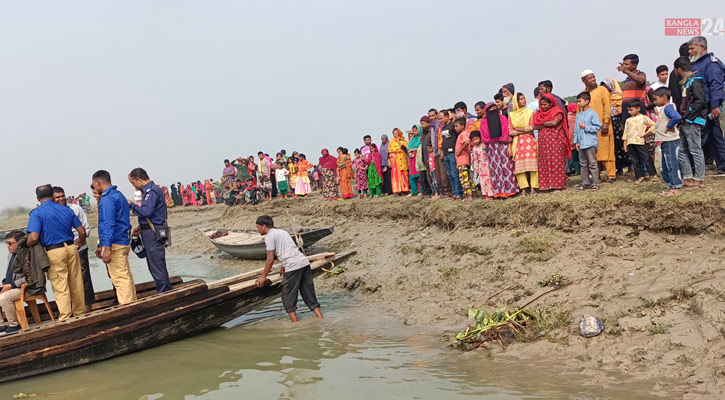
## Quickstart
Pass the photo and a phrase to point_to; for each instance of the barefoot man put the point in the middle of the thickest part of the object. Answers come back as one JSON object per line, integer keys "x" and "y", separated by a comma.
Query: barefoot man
{"x": 295, "y": 270}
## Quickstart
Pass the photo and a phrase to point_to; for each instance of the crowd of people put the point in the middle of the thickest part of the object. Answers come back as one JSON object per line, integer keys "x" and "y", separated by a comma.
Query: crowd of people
{"x": 54, "y": 246}
{"x": 514, "y": 145}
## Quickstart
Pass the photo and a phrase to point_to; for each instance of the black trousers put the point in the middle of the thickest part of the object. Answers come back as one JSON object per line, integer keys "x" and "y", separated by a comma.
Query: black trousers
{"x": 89, "y": 295}
{"x": 298, "y": 281}
{"x": 639, "y": 155}
{"x": 426, "y": 186}
{"x": 387, "y": 184}
{"x": 156, "y": 260}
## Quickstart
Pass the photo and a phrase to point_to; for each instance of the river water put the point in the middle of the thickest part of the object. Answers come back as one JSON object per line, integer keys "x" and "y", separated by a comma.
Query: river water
{"x": 345, "y": 356}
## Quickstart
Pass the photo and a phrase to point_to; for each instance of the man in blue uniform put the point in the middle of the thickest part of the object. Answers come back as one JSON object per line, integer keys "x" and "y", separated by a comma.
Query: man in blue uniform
{"x": 152, "y": 226}
{"x": 52, "y": 225}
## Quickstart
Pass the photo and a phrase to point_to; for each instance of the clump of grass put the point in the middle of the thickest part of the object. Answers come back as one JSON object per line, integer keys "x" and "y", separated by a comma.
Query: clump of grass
{"x": 537, "y": 247}
{"x": 334, "y": 272}
{"x": 543, "y": 323}
{"x": 658, "y": 329}
{"x": 596, "y": 296}
{"x": 650, "y": 303}
{"x": 468, "y": 248}
{"x": 681, "y": 293}
{"x": 447, "y": 271}
{"x": 555, "y": 280}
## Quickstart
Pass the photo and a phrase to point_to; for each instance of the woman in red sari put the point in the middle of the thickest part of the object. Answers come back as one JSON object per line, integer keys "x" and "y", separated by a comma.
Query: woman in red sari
{"x": 553, "y": 144}
{"x": 328, "y": 167}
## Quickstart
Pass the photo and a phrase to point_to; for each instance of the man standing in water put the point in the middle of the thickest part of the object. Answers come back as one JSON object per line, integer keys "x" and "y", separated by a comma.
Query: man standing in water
{"x": 295, "y": 270}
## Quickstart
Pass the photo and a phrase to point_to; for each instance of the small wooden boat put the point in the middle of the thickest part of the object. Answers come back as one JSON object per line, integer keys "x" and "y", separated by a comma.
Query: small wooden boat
{"x": 248, "y": 243}
{"x": 155, "y": 319}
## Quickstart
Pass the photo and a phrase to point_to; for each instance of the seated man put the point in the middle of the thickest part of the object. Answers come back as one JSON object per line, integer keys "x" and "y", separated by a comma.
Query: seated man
{"x": 10, "y": 289}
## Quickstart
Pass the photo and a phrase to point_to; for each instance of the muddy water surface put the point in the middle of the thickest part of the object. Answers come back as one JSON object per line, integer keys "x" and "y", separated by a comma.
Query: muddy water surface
{"x": 348, "y": 355}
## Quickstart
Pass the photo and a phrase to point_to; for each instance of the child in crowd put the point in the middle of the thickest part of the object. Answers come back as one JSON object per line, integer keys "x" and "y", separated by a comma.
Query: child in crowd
{"x": 361, "y": 174}
{"x": 635, "y": 128}
{"x": 573, "y": 165}
{"x": 374, "y": 163}
{"x": 302, "y": 186}
{"x": 480, "y": 164}
{"x": 252, "y": 194}
{"x": 586, "y": 129}
{"x": 280, "y": 175}
{"x": 463, "y": 158}
{"x": 694, "y": 114}
{"x": 668, "y": 135}
{"x": 316, "y": 178}
{"x": 432, "y": 172}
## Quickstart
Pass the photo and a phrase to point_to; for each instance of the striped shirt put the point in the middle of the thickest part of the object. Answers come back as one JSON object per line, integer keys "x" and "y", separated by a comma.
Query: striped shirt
{"x": 632, "y": 90}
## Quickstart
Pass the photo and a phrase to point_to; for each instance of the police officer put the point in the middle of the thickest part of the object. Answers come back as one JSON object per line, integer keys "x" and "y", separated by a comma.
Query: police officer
{"x": 152, "y": 226}
{"x": 52, "y": 225}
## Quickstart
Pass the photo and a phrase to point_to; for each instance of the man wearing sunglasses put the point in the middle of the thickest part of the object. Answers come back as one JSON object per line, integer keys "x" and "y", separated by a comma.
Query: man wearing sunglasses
{"x": 9, "y": 291}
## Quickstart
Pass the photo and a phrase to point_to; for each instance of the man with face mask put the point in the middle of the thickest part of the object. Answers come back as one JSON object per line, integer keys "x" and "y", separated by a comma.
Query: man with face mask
{"x": 712, "y": 70}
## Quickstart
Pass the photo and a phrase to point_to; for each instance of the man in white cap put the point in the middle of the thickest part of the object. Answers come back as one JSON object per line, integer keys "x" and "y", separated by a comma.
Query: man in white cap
{"x": 601, "y": 104}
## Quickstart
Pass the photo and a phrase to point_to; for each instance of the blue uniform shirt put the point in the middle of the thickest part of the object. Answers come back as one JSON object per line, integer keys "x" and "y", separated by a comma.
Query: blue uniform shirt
{"x": 153, "y": 205}
{"x": 114, "y": 222}
{"x": 587, "y": 137}
{"x": 53, "y": 222}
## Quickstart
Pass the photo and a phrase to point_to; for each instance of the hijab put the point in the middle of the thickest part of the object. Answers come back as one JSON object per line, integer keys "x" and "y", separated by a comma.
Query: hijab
{"x": 520, "y": 117}
{"x": 542, "y": 116}
{"x": 415, "y": 140}
{"x": 494, "y": 126}
{"x": 328, "y": 161}
{"x": 384, "y": 147}
{"x": 376, "y": 159}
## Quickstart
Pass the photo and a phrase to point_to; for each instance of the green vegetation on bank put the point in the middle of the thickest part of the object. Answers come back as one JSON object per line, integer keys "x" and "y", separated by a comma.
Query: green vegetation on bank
{"x": 14, "y": 217}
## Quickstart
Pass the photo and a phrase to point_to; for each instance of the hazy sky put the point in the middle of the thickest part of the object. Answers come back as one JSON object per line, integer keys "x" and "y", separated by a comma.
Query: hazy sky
{"x": 177, "y": 86}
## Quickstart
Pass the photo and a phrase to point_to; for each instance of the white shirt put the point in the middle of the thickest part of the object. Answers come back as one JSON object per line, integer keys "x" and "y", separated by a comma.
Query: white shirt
{"x": 280, "y": 174}
{"x": 657, "y": 85}
{"x": 78, "y": 211}
{"x": 285, "y": 250}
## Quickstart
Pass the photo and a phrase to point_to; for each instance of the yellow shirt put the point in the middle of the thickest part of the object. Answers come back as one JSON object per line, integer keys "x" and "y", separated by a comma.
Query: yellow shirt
{"x": 635, "y": 128}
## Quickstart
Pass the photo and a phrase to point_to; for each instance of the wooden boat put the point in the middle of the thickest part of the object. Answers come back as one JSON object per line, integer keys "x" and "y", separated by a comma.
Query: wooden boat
{"x": 155, "y": 319}
{"x": 248, "y": 244}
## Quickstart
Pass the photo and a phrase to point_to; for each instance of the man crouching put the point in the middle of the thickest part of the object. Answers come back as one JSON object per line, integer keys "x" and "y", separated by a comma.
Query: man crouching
{"x": 295, "y": 270}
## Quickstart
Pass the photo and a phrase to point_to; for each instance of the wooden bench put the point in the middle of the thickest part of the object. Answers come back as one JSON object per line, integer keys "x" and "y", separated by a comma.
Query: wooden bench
{"x": 32, "y": 306}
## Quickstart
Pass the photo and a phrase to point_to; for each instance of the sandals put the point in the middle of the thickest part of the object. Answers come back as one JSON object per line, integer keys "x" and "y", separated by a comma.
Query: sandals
{"x": 595, "y": 187}
{"x": 581, "y": 188}
{"x": 671, "y": 192}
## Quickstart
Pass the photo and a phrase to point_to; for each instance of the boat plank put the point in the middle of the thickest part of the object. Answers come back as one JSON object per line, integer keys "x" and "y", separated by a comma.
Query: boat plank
{"x": 111, "y": 313}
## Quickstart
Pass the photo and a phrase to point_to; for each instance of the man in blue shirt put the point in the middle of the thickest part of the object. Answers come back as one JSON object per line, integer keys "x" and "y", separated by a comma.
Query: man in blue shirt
{"x": 152, "y": 226}
{"x": 52, "y": 225}
{"x": 114, "y": 245}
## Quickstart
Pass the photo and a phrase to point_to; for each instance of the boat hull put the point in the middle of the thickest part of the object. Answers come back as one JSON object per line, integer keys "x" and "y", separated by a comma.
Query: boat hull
{"x": 190, "y": 311}
{"x": 259, "y": 252}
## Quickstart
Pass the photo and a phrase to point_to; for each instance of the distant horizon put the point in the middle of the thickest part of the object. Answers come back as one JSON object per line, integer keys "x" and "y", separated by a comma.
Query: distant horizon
{"x": 176, "y": 87}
